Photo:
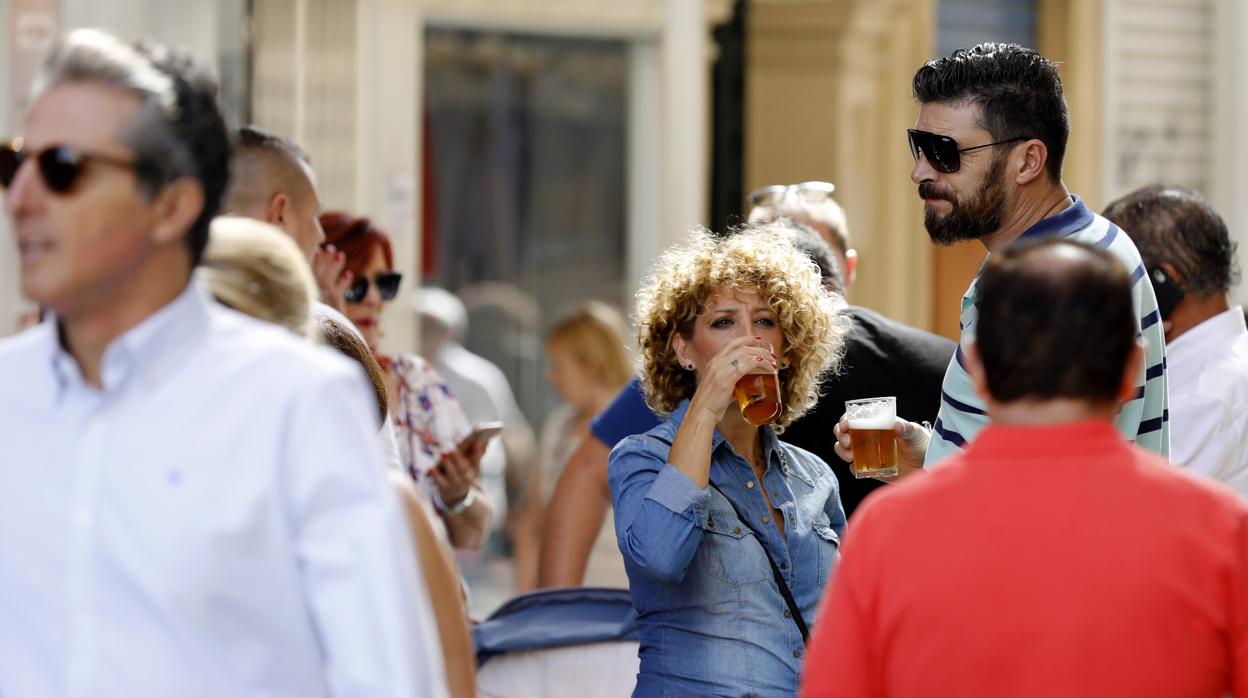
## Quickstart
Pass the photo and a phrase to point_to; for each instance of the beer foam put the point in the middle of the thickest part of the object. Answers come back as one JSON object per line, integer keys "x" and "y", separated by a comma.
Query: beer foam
{"x": 877, "y": 421}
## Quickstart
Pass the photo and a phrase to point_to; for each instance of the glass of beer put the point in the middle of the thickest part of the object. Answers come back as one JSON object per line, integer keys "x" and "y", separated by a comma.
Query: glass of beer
{"x": 871, "y": 423}
{"x": 758, "y": 396}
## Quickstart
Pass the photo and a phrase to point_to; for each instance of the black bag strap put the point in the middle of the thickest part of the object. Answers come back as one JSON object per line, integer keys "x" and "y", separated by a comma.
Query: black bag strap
{"x": 775, "y": 570}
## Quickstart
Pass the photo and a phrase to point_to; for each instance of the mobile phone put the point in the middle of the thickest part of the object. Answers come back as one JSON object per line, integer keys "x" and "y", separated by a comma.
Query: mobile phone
{"x": 1167, "y": 290}
{"x": 483, "y": 432}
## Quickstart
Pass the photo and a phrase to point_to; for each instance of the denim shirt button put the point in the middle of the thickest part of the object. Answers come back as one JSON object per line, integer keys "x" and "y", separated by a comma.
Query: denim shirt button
{"x": 787, "y": 614}
{"x": 766, "y": 519}
{"x": 797, "y": 654}
{"x": 784, "y": 565}
{"x": 750, "y": 484}
{"x": 736, "y": 531}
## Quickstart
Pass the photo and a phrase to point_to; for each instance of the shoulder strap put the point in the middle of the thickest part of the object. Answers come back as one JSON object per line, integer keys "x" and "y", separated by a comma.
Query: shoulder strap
{"x": 775, "y": 571}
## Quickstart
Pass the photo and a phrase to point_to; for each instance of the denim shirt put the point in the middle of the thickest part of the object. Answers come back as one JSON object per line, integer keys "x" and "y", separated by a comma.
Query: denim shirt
{"x": 712, "y": 620}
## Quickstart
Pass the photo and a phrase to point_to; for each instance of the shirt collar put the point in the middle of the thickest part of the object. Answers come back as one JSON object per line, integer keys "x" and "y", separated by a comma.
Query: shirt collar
{"x": 150, "y": 347}
{"x": 770, "y": 442}
{"x": 1212, "y": 335}
{"x": 1067, "y": 222}
{"x": 1050, "y": 442}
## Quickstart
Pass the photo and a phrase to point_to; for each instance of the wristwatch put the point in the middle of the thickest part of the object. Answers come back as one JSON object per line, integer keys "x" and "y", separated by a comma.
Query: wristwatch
{"x": 459, "y": 507}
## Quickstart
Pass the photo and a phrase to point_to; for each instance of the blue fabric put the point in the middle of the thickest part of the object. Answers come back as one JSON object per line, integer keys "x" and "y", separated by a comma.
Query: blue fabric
{"x": 712, "y": 621}
{"x": 627, "y": 414}
{"x": 556, "y": 618}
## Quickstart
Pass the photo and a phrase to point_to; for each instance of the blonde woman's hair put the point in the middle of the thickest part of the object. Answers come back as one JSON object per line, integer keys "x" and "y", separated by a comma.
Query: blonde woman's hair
{"x": 597, "y": 338}
{"x": 258, "y": 270}
{"x": 754, "y": 259}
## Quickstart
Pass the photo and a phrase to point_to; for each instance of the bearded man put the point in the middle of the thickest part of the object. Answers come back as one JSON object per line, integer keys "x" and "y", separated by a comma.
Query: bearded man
{"x": 988, "y": 147}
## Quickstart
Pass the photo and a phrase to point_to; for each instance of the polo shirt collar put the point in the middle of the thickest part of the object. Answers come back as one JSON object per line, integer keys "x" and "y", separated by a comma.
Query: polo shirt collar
{"x": 1069, "y": 221}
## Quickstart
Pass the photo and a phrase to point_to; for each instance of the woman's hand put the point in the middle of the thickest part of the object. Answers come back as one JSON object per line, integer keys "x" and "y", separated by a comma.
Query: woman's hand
{"x": 738, "y": 358}
{"x": 458, "y": 470}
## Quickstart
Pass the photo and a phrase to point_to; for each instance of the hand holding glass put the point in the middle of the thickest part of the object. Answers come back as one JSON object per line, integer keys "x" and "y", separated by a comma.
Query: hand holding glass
{"x": 758, "y": 396}
{"x": 873, "y": 434}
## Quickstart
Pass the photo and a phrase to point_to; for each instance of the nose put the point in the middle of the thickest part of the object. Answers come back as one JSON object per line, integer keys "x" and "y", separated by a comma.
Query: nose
{"x": 24, "y": 191}
{"x": 923, "y": 170}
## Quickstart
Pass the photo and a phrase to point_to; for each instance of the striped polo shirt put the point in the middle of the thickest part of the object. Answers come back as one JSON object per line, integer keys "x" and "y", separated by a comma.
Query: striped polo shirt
{"x": 1144, "y": 420}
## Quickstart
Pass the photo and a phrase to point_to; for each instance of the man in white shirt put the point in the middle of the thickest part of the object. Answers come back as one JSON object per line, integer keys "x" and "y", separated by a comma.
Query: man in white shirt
{"x": 1191, "y": 261}
{"x": 192, "y": 504}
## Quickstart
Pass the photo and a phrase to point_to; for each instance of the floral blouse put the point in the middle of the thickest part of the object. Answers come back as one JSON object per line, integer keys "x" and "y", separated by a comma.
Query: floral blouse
{"x": 428, "y": 420}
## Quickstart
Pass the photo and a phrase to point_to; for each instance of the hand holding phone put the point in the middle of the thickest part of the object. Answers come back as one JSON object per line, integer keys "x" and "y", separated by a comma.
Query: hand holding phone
{"x": 482, "y": 433}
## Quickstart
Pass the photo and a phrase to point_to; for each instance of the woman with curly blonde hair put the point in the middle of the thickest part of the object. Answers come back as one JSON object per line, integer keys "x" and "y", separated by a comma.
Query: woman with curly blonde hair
{"x": 728, "y": 534}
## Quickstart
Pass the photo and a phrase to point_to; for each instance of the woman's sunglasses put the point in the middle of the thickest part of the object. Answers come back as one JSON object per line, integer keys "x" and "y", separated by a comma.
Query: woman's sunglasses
{"x": 60, "y": 166}
{"x": 387, "y": 287}
{"x": 811, "y": 192}
{"x": 942, "y": 152}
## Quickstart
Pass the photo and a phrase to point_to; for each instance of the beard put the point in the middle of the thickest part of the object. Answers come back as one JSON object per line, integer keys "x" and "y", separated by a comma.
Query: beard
{"x": 972, "y": 219}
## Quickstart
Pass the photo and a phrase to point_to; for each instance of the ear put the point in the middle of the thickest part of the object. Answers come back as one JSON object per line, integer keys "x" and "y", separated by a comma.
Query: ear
{"x": 851, "y": 268}
{"x": 681, "y": 347}
{"x": 278, "y": 210}
{"x": 175, "y": 208}
{"x": 1173, "y": 273}
{"x": 1032, "y": 159}
{"x": 975, "y": 369}
{"x": 1131, "y": 372}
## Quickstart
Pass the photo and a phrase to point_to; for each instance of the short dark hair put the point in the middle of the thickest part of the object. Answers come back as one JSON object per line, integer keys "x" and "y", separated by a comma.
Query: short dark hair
{"x": 1018, "y": 91}
{"x": 256, "y": 138}
{"x": 811, "y": 243}
{"x": 1056, "y": 320}
{"x": 264, "y": 164}
{"x": 179, "y": 130}
{"x": 1177, "y": 226}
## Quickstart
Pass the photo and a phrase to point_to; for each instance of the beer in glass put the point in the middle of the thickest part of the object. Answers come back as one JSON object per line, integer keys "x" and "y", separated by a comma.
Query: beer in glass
{"x": 758, "y": 396}
{"x": 871, "y": 429}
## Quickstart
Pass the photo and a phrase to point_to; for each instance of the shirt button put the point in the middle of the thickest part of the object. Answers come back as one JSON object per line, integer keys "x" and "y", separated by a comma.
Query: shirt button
{"x": 797, "y": 654}
{"x": 784, "y": 566}
{"x": 787, "y": 614}
{"x": 750, "y": 484}
{"x": 736, "y": 531}
{"x": 766, "y": 519}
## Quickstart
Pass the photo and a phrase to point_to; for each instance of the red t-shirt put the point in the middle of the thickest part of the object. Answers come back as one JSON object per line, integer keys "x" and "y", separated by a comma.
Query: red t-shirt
{"x": 1042, "y": 561}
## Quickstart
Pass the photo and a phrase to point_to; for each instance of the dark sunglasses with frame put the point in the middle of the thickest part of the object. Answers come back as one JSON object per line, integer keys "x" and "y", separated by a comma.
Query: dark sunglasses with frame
{"x": 387, "y": 287}
{"x": 60, "y": 166}
{"x": 942, "y": 152}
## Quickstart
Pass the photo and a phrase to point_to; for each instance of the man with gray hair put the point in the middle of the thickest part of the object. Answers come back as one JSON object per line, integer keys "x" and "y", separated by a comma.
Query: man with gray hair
{"x": 1190, "y": 258}
{"x": 192, "y": 504}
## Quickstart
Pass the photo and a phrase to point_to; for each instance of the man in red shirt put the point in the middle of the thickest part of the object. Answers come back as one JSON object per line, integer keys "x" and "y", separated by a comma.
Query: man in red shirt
{"x": 1051, "y": 558}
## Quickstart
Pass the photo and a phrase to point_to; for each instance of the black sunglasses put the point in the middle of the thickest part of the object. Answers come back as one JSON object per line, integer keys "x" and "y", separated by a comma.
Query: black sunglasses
{"x": 387, "y": 287}
{"x": 942, "y": 152}
{"x": 60, "y": 166}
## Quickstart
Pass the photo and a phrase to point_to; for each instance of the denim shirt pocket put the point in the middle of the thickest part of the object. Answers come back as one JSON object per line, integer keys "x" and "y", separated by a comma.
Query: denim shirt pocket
{"x": 829, "y": 545}
{"x": 730, "y": 552}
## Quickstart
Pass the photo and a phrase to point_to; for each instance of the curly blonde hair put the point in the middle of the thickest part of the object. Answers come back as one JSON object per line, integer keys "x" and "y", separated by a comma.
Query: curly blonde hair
{"x": 752, "y": 258}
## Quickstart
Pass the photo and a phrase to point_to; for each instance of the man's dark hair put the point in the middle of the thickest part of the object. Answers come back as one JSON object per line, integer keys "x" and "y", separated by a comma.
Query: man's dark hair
{"x": 811, "y": 243}
{"x": 179, "y": 130}
{"x": 1018, "y": 91}
{"x": 255, "y": 138}
{"x": 264, "y": 164}
{"x": 1056, "y": 320}
{"x": 1177, "y": 226}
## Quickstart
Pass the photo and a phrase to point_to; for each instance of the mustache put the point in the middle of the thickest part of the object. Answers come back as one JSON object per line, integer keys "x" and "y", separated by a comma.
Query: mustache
{"x": 928, "y": 190}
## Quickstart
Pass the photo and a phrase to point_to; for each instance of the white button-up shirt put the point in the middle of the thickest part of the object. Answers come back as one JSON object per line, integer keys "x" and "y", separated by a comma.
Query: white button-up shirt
{"x": 213, "y": 522}
{"x": 1208, "y": 368}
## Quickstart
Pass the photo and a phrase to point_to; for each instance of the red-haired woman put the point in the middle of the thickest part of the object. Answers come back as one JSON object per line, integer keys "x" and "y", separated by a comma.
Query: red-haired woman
{"x": 429, "y": 423}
